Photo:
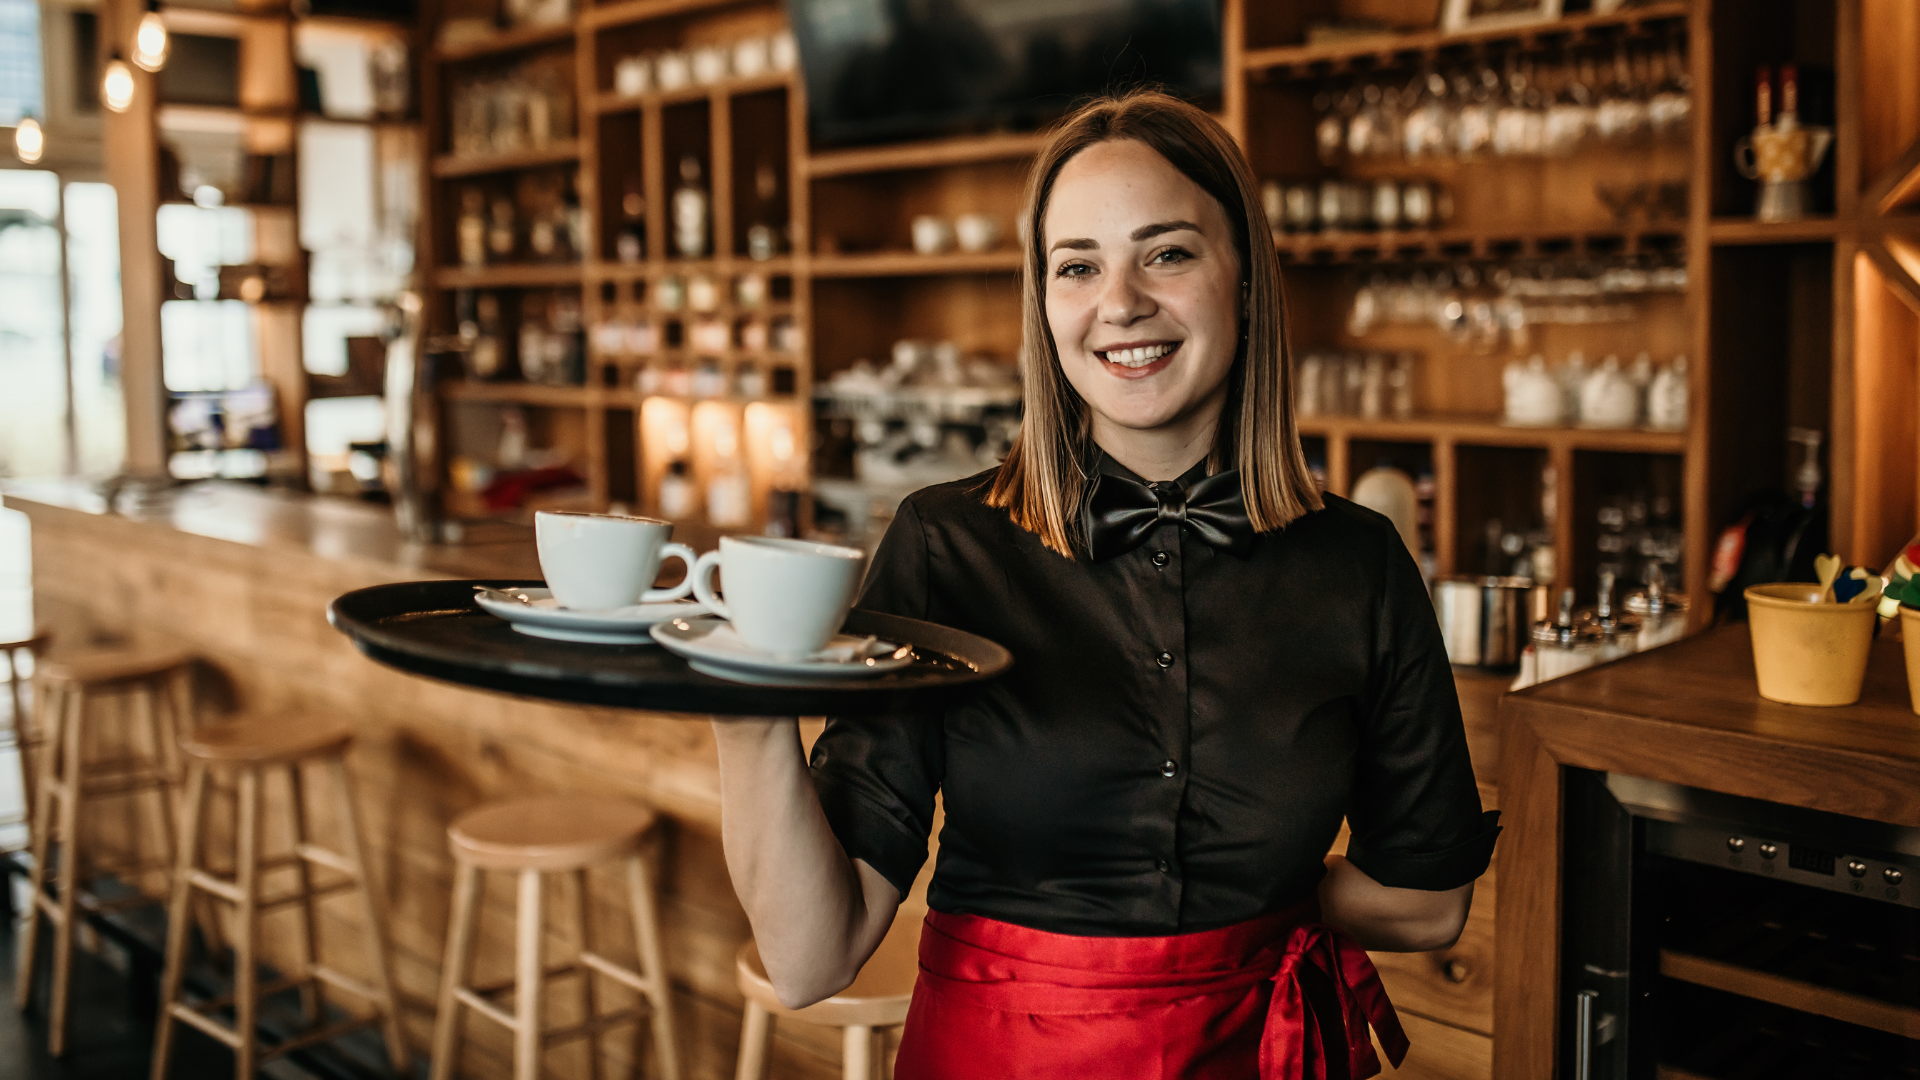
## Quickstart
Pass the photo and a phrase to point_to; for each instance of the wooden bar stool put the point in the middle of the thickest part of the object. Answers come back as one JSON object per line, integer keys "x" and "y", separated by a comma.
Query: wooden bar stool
{"x": 250, "y": 748}
{"x": 21, "y": 733}
{"x": 69, "y": 695}
{"x": 877, "y": 1000}
{"x": 534, "y": 837}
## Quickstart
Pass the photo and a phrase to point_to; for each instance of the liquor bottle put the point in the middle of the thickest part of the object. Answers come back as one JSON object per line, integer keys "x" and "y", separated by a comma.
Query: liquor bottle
{"x": 472, "y": 228}
{"x": 485, "y": 355}
{"x": 763, "y": 236}
{"x": 690, "y": 211}
{"x": 501, "y": 236}
{"x": 631, "y": 245}
{"x": 676, "y": 492}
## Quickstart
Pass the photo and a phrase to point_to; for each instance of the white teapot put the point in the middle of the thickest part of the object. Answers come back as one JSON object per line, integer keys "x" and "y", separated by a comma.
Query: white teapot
{"x": 1667, "y": 397}
{"x": 1534, "y": 397}
{"x": 1607, "y": 398}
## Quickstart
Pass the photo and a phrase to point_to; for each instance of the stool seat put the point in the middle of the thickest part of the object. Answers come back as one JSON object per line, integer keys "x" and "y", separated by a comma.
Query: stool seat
{"x": 266, "y": 742}
{"x": 549, "y": 832}
{"x": 111, "y": 666}
{"x": 878, "y": 997}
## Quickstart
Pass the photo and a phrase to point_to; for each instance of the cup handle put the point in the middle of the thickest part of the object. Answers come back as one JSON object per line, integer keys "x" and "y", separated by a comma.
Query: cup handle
{"x": 1744, "y": 158}
{"x": 702, "y": 577}
{"x": 684, "y": 554}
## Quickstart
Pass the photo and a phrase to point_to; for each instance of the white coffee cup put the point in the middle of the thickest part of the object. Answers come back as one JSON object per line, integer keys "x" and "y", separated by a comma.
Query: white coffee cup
{"x": 976, "y": 232}
{"x": 596, "y": 562}
{"x": 932, "y": 235}
{"x": 784, "y": 597}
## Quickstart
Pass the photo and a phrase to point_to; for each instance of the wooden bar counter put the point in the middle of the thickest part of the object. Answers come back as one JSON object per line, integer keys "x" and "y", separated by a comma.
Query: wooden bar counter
{"x": 243, "y": 576}
{"x": 1690, "y": 714}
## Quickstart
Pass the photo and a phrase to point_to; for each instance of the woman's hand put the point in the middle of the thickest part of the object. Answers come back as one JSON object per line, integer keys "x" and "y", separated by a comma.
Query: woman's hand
{"x": 1391, "y": 920}
{"x": 816, "y": 914}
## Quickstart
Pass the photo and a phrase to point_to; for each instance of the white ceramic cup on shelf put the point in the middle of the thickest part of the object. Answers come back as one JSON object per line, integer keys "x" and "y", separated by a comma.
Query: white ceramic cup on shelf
{"x": 786, "y": 598}
{"x": 597, "y": 562}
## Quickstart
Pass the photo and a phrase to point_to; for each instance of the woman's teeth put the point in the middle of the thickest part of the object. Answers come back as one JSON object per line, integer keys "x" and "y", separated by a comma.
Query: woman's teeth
{"x": 1140, "y": 357}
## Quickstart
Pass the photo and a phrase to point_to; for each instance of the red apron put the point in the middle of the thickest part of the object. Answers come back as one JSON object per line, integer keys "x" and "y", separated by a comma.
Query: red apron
{"x": 1280, "y": 997}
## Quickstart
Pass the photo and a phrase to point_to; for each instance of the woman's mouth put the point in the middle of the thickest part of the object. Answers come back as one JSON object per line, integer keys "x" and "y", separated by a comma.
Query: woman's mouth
{"x": 1137, "y": 361}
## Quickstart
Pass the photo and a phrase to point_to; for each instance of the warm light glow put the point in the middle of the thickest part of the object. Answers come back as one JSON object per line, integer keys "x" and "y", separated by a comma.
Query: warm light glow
{"x": 29, "y": 141}
{"x": 116, "y": 86}
{"x": 151, "y": 43}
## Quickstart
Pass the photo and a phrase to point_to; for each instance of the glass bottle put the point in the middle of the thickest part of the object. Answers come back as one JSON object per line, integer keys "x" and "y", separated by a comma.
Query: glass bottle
{"x": 484, "y": 356}
{"x": 676, "y": 492}
{"x": 690, "y": 211}
{"x": 631, "y": 244}
{"x": 472, "y": 228}
{"x": 763, "y": 236}
{"x": 501, "y": 235}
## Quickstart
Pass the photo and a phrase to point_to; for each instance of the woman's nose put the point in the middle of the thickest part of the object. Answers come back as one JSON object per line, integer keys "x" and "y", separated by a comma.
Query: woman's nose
{"x": 1124, "y": 301}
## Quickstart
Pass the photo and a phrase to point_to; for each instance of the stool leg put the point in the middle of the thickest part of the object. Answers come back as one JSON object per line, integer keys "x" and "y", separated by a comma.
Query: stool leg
{"x": 68, "y": 885}
{"x": 856, "y": 1053}
{"x": 646, "y": 932}
{"x": 179, "y": 911}
{"x": 453, "y": 972}
{"x": 309, "y": 940}
{"x": 756, "y": 1042}
{"x": 49, "y": 703}
{"x": 527, "y": 977}
{"x": 583, "y": 918}
{"x": 166, "y": 793}
{"x": 22, "y": 732}
{"x": 246, "y": 984}
{"x": 371, "y": 911}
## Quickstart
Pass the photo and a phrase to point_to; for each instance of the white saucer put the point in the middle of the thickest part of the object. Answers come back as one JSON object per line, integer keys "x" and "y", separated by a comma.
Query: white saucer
{"x": 712, "y": 648}
{"x": 535, "y": 612}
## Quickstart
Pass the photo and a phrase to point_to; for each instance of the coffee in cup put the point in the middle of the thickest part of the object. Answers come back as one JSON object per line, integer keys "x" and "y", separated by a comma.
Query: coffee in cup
{"x": 786, "y": 598}
{"x": 596, "y": 562}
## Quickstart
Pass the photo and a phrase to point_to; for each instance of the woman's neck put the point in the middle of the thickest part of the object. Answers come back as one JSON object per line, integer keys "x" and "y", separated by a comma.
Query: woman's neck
{"x": 1162, "y": 453}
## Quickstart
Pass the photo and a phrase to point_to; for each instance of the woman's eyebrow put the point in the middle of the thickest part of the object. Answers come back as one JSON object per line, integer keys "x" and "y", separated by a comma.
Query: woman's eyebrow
{"x": 1148, "y": 232}
{"x": 1078, "y": 243}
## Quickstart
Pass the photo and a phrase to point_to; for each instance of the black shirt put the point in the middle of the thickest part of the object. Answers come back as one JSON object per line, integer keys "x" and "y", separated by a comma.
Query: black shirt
{"x": 1181, "y": 733}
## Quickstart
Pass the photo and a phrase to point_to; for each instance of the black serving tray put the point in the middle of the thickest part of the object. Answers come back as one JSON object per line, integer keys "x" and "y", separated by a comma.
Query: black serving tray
{"x": 434, "y": 628}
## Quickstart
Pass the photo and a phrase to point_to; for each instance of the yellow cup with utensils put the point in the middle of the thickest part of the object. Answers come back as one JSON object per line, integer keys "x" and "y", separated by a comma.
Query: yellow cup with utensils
{"x": 1809, "y": 649}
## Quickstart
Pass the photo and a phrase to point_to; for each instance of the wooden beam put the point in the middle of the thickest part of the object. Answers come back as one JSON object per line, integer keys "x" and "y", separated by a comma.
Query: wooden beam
{"x": 132, "y": 152}
{"x": 1526, "y": 981}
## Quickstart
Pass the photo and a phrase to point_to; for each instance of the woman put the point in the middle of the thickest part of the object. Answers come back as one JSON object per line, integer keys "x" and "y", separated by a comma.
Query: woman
{"x": 1214, "y": 666}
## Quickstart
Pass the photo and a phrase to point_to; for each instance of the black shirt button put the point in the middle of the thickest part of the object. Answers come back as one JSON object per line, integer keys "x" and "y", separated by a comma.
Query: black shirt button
{"x": 1161, "y": 558}
{"x": 1168, "y": 768}
{"x": 1165, "y": 659}
{"x": 1165, "y": 867}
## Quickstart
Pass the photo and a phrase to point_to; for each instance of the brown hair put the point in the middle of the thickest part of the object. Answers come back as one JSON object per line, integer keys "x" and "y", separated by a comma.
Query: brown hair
{"x": 1044, "y": 478}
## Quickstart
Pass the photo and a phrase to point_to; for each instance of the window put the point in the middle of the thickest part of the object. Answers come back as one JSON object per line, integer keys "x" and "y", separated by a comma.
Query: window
{"x": 22, "y": 90}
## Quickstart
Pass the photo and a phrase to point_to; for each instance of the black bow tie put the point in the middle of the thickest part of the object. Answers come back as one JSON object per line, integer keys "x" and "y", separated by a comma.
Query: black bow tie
{"x": 1122, "y": 513}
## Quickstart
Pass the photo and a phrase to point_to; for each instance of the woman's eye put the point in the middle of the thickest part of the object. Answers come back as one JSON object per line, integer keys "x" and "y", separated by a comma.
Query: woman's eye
{"x": 1171, "y": 255}
{"x": 1073, "y": 270}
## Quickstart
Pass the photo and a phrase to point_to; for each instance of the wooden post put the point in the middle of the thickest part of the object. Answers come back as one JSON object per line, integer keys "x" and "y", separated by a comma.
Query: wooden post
{"x": 131, "y": 147}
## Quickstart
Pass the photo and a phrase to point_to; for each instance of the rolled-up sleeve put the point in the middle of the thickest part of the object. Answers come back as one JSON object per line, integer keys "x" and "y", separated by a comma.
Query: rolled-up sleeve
{"x": 1415, "y": 810}
{"x": 877, "y": 775}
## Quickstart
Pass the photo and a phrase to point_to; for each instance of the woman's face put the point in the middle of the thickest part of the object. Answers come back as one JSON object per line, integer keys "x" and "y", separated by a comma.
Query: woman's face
{"x": 1143, "y": 288}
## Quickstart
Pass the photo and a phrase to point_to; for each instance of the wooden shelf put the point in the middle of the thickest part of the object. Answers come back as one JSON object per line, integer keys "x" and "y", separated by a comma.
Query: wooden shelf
{"x": 1338, "y": 247}
{"x": 1489, "y": 431}
{"x": 614, "y": 103}
{"x": 507, "y": 41}
{"x": 507, "y": 276}
{"x": 559, "y": 153}
{"x": 660, "y": 268}
{"x": 913, "y": 264}
{"x": 517, "y": 393}
{"x": 626, "y": 11}
{"x": 924, "y": 155}
{"x": 1901, "y": 1020}
{"x": 1740, "y": 230}
{"x": 1306, "y": 61}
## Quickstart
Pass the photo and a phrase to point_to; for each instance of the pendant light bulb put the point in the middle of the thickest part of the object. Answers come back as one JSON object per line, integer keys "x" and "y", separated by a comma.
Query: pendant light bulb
{"x": 151, "y": 41}
{"x": 29, "y": 141}
{"x": 117, "y": 85}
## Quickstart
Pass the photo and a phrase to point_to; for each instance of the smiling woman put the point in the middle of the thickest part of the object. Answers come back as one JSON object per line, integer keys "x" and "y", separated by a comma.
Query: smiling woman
{"x": 1214, "y": 666}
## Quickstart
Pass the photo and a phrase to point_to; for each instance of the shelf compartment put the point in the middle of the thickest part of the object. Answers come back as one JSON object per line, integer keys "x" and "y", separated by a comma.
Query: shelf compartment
{"x": 1337, "y": 247}
{"x": 924, "y": 155}
{"x": 507, "y": 41}
{"x": 913, "y": 264}
{"x": 618, "y": 103}
{"x": 1489, "y": 431}
{"x": 558, "y": 153}
{"x": 1893, "y": 1019}
{"x": 507, "y": 276}
{"x": 1388, "y": 50}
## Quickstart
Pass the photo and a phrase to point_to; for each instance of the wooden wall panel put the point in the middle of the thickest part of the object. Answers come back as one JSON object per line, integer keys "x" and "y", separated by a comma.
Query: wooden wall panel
{"x": 1886, "y": 386}
{"x": 1890, "y": 77}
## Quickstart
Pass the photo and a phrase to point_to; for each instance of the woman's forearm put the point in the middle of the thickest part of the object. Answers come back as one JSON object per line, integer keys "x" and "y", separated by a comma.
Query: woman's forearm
{"x": 1387, "y": 919}
{"x": 816, "y": 914}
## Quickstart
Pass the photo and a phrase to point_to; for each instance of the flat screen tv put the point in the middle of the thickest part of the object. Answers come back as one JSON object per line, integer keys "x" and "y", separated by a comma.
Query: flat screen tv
{"x": 886, "y": 70}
